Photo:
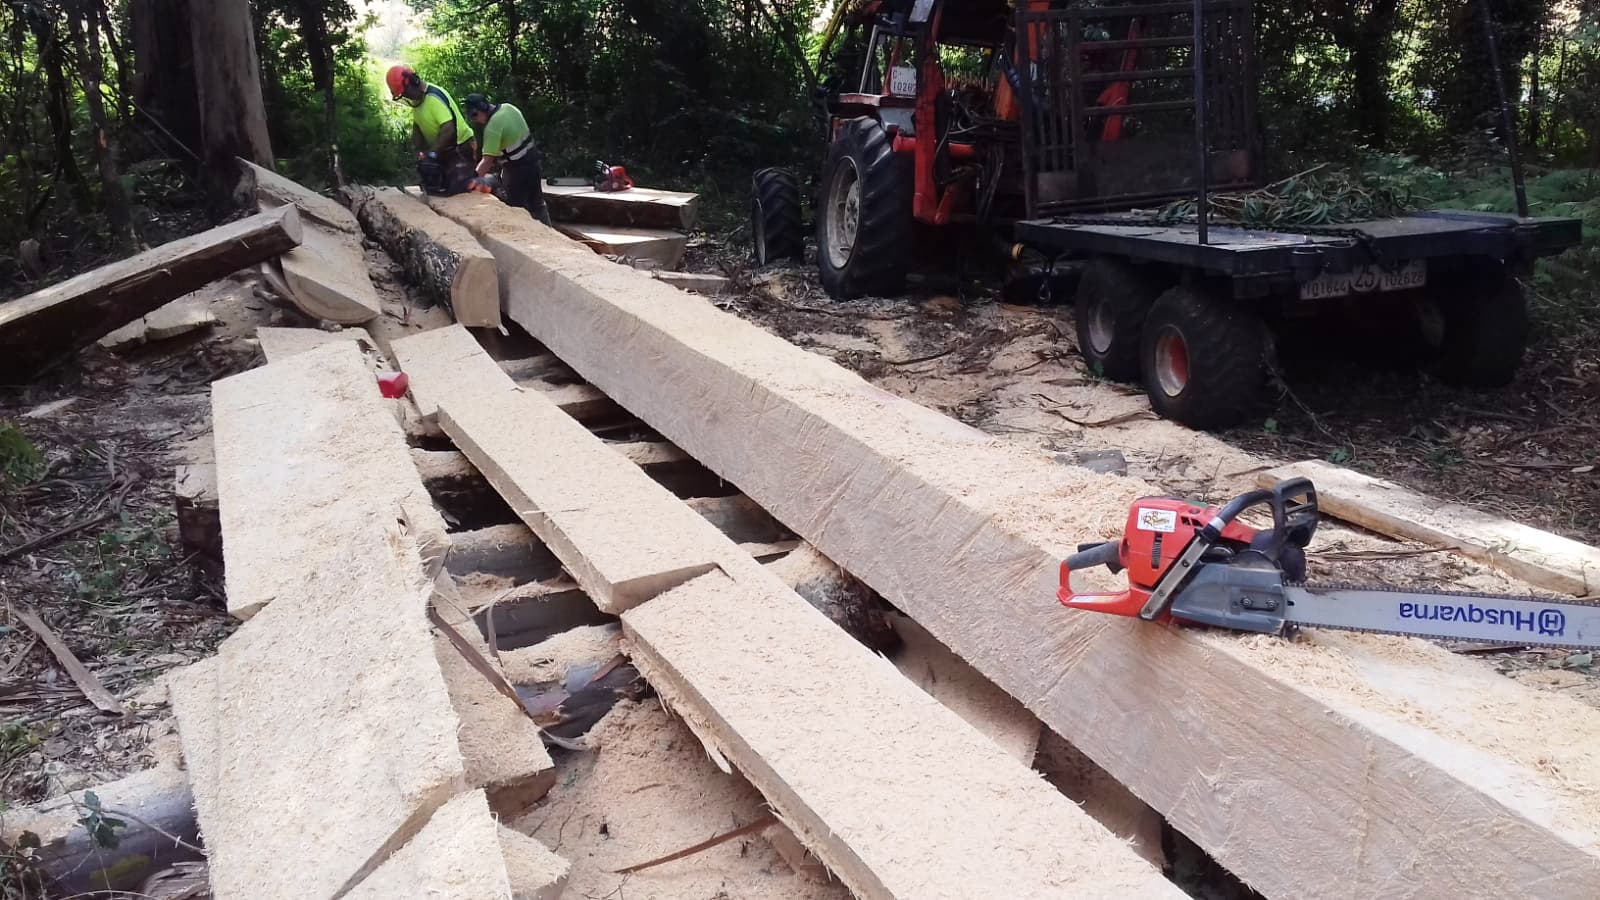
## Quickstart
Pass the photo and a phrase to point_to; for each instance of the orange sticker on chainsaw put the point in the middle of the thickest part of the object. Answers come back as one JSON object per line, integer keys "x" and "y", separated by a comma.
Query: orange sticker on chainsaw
{"x": 1164, "y": 520}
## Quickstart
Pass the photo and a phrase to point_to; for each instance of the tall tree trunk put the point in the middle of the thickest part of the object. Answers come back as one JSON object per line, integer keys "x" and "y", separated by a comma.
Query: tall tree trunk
{"x": 58, "y": 106}
{"x": 513, "y": 54}
{"x": 1368, "y": 41}
{"x": 163, "y": 72}
{"x": 1535, "y": 93}
{"x": 124, "y": 68}
{"x": 91, "y": 67}
{"x": 314, "y": 32}
{"x": 233, "y": 117}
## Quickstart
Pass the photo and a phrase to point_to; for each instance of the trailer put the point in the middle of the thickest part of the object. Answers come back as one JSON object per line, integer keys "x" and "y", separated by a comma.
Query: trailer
{"x": 1068, "y": 128}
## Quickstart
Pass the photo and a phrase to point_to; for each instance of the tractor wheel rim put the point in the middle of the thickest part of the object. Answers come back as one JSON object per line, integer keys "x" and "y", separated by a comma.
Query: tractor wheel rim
{"x": 1102, "y": 327}
{"x": 1172, "y": 363}
{"x": 761, "y": 235}
{"x": 844, "y": 207}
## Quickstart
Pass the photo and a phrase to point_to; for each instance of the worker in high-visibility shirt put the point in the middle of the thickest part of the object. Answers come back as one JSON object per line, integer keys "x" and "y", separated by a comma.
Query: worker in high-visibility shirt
{"x": 446, "y": 147}
{"x": 508, "y": 144}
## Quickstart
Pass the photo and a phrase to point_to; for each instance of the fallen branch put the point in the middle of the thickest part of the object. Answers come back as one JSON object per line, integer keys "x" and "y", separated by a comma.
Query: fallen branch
{"x": 81, "y": 676}
{"x": 56, "y": 535}
{"x": 742, "y": 830}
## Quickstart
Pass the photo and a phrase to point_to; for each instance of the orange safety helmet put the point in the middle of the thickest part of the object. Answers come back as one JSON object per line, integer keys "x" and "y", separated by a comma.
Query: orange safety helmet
{"x": 398, "y": 78}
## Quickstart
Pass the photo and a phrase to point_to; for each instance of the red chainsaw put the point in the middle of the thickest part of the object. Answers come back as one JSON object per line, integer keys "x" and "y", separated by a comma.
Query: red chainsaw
{"x": 1197, "y": 564}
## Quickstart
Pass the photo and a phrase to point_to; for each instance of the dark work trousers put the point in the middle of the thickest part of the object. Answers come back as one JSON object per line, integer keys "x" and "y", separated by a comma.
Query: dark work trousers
{"x": 525, "y": 185}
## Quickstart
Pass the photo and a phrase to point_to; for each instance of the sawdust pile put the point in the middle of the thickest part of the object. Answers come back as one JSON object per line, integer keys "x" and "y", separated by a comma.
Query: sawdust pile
{"x": 650, "y": 791}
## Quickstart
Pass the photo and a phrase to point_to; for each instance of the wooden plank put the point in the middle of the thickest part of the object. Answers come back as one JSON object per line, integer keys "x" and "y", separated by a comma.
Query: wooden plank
{"x": 327, "y": 277}
{"x": 500, "y": 745}
{"x": 273, "y": 189}
{"x": 445, "y": 360}
{"x": 325, "y": 715}
{"x": 964, "y": 691}
{"x": 640, "y": 207}
{"x": 699, "y": 282}
{"x": 638, "y": 540}
{"x": 178, "y": 318}
{"x": 449, "y": 263}
{"x": 895, "y": 793}
{"x": 464, "y": 854}
{"x": 1538, "y": 557}
{"x": 305, "y": 448}
{"x": 49, "y": 324}
{"x": 281, "y": 343}
{"x": 1391, "y": 735}
{"x": 763, "y": 688}
{"x": 665, "y": 248}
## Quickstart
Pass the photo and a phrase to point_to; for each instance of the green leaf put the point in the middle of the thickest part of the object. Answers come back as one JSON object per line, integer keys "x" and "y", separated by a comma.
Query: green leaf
{"x": 1270, "y": 426}
{"x": 1340, "y": 455}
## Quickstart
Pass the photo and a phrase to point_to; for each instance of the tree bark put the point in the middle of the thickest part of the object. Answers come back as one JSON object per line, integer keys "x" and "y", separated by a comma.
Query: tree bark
{"x": 163, "y": 75}
{"x": 90, "y": 66}
{"x": 233, "y": 117}
{"x": 513, "y": 55}
{"x": 46, "y": 325}
{"x": 1535, "y": 90}
{"x": 319, "y": 51}
{"x": 58, "y": 106}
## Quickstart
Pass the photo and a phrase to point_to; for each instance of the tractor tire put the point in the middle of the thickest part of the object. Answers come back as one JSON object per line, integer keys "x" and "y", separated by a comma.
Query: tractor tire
{"x": 1113, "y": 299}
{"x": 1204, "y": 358}
{"x": 775, "y": 217}
{"x": 864, "y": 225}
{"x": 1484, "y": 325}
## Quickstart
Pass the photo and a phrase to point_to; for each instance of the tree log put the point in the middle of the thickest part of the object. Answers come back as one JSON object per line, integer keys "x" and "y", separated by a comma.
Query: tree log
{"x": 148, "y": 803}
{"x": 48, "y": 324}
{"x": 442, "y": 256}
{"x": 233, "y": 117}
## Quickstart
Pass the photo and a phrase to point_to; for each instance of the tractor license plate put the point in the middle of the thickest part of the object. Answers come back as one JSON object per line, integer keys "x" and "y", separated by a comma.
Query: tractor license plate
{"x": 903, "y": 81}
{"x": 1366, "y": 280}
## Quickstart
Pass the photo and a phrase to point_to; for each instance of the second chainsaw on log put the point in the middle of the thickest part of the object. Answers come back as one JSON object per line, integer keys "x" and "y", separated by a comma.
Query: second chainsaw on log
{"x": 1198, "y": 564}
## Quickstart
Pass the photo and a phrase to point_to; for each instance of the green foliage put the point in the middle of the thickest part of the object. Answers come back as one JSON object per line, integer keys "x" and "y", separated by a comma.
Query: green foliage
{"x": 1316, "y": 199}
{"x": 103, "y": 829}
{"x": 101, "y": 568}
{"x": 678, "y": 92}
{"x": 21, "y": 463}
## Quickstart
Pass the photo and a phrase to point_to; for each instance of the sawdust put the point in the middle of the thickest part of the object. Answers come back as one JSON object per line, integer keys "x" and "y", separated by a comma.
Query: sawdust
{"x": 1477, "y": 724}
{"x": 649, "y": 791}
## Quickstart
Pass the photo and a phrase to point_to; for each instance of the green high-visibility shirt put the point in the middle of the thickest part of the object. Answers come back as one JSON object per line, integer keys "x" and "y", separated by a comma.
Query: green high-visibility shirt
{"x": 506, "y": 132}
{"x": 437, "y": 108}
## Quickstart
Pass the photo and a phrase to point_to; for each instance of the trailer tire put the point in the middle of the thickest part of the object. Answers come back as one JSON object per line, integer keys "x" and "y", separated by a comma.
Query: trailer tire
{"x": 1203, "y": 358}
{"x": 1113, "y": 299}
{"x": 1485, "y": 326}
{"x": 864, "y": 214}
{"x": 775, "y": 223}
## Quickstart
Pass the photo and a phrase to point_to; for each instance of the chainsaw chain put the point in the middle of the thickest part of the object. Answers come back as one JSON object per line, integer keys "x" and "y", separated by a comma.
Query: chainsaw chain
{"x": 1436, "y": 592}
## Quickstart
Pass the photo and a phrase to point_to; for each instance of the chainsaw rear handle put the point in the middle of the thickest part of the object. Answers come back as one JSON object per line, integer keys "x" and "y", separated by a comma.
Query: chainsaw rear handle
{"x": 1108, "y": 554}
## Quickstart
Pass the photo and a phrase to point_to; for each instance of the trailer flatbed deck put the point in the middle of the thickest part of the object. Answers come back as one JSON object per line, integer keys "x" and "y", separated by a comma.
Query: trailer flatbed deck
{"x": 1237, "y": 252}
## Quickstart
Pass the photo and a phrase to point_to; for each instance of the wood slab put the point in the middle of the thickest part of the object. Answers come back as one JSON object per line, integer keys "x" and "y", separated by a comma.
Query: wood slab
{"x": 327, "y": 277}
{"x": 445, "y": 360}
{"x": 306, "y": 449}
{"x": 274, "y": 190}
{"x": 894, "y": 792}
{"x": 1538, "y": 557}
{"x": 281, "y": 343}
{"x": 463, "y": 853}
{"x": 626, "y": 540}
{"x": 50, "y": 324}
{"x": 449, "y": 263}
{"x": 178, "y": 318}
{"x": 1391, "y": 736}
{"x": 621, "y": 535}
{"x": 699, "y": 282}
{"x": 665, "y": 248}
{"x": 640, "y": 207}
{"x": 325, "y": 715}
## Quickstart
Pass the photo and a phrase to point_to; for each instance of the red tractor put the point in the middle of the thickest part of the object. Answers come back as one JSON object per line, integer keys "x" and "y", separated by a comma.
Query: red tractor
{"x": 1050, "y": 125}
